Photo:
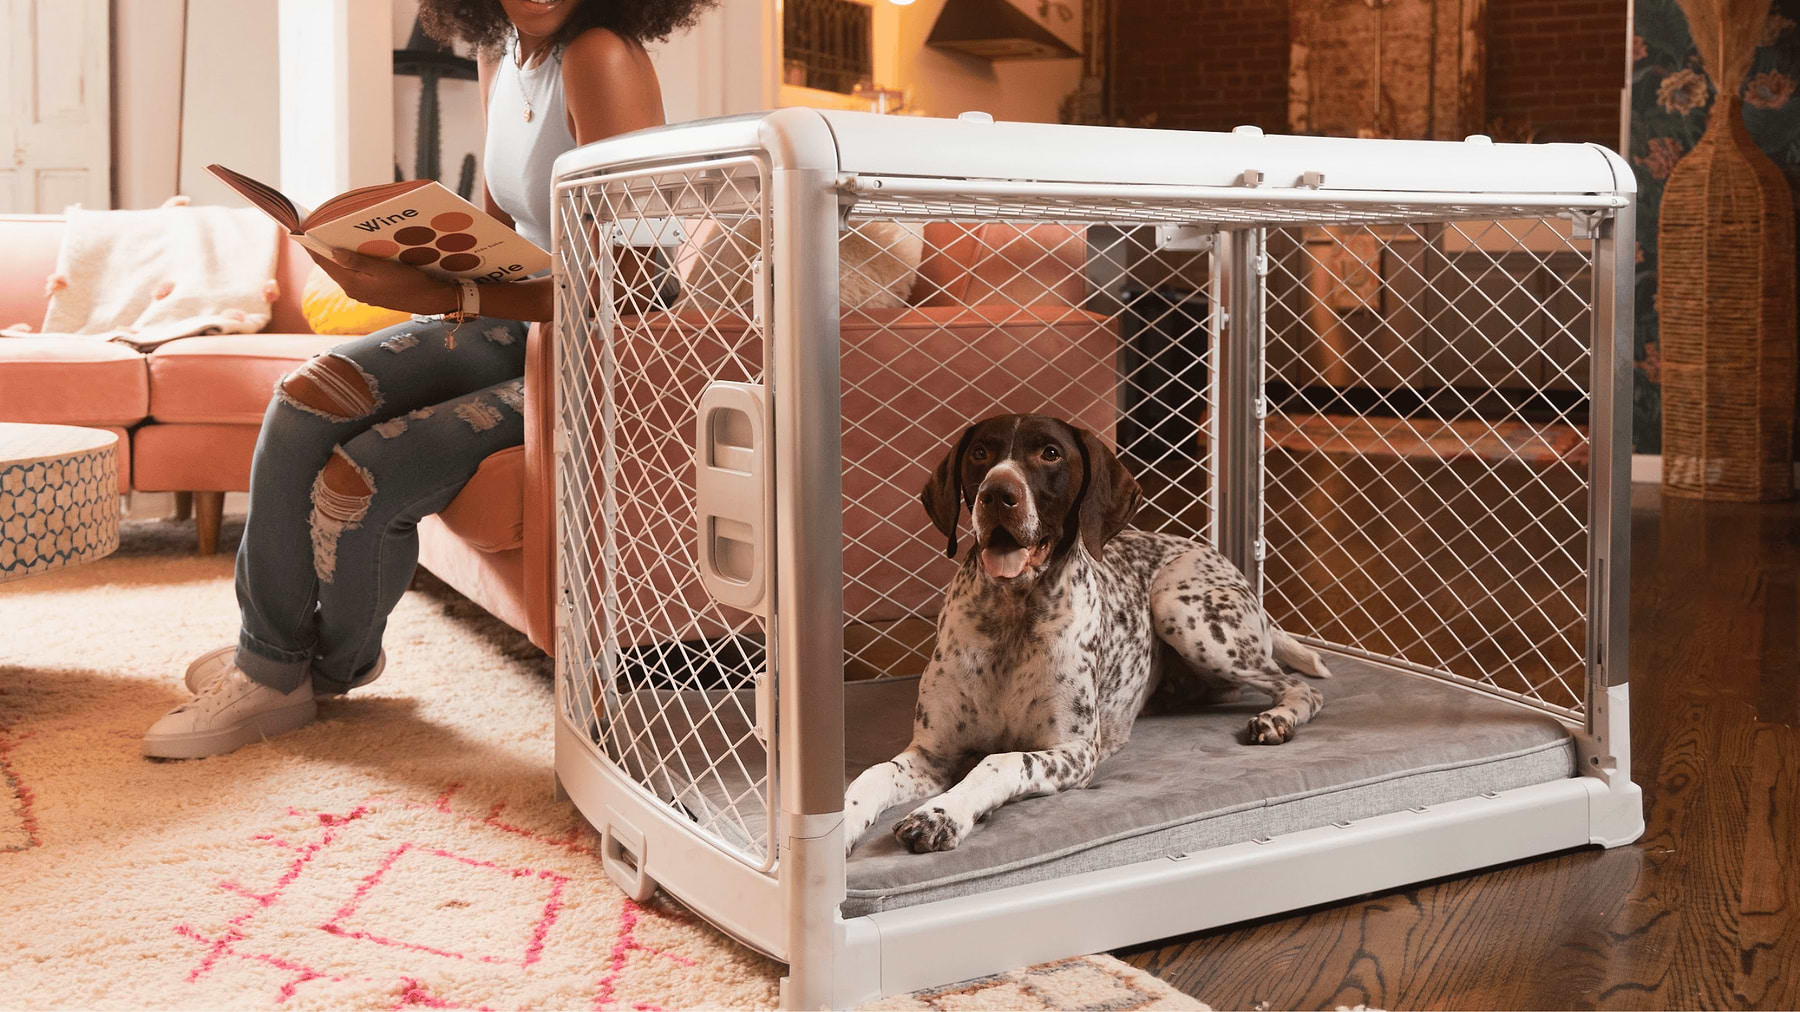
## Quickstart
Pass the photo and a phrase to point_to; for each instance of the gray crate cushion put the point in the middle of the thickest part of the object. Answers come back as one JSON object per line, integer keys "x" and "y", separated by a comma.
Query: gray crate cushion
{"x": 1386, "y": 741}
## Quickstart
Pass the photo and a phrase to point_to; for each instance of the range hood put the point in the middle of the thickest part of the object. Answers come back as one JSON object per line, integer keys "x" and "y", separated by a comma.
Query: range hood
{"x": 1009, "y": 29}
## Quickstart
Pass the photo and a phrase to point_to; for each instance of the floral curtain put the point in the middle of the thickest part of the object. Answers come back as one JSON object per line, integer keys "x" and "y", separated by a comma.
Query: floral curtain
{"x": 1670, "y": 100}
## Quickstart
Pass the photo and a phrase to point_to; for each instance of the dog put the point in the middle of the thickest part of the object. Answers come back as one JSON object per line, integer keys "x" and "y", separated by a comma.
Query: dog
{"x": 1058, "y": 630}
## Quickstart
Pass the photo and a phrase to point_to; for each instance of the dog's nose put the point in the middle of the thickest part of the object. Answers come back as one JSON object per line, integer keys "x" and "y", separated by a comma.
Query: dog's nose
{"x": 1002, "y": 493}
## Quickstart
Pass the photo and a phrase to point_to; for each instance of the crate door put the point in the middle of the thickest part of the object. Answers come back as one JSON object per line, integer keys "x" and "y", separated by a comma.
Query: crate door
{"x": 662, "y": 491}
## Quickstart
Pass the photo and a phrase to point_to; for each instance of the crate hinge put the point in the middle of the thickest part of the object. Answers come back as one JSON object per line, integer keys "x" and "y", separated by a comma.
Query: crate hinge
{"x": 846, "y": 201}
{"x": 1185, "y": 238}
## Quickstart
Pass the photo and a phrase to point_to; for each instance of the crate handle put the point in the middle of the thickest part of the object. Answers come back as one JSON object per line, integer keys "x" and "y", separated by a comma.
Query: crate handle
{"x": 622, "y": 855}
{"x": 731, "y": 507}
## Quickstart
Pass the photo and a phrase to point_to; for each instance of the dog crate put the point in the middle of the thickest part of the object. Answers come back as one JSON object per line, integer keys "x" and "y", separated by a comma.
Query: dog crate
{"x": 1390, "y": 380}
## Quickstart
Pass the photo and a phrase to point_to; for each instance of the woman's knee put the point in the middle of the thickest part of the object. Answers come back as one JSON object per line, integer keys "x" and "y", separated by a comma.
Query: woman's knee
{"x": 331, "y": 386}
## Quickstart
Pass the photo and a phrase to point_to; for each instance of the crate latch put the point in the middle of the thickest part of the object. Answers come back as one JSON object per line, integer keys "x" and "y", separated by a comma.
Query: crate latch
{"x": 622, "y": 855}
{"x": 731, "y": 514}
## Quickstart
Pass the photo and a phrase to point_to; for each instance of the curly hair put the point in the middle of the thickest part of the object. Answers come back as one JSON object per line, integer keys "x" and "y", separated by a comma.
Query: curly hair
{"x": 483, "y": 23}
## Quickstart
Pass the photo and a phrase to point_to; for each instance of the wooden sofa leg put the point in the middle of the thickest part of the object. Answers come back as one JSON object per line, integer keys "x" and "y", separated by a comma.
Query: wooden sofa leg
{"x": 184, "y": 506}
{"x": 208, "y": 506}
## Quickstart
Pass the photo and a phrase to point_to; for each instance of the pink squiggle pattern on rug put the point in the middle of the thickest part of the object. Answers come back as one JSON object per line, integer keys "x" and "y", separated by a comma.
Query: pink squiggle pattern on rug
{"x": 534, "y": 948}
{"x": 570, "y": 841}
{"x": 9, "y": 775}
{"x": 624, "y": 946}
{"x": 225, "y": 944}
{"x": 413, "y": 994}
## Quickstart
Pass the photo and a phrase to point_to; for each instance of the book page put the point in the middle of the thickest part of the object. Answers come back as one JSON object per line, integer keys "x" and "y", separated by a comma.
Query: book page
{"x": 351, "y": 201}
{"x": 266, "y": 198}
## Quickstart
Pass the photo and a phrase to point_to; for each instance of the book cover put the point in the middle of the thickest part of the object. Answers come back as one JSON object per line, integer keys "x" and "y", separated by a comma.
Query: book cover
{"x": 436, "y": 231}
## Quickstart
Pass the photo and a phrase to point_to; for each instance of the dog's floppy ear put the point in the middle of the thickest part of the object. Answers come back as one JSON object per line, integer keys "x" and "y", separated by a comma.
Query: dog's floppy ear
{"x": 1109, "y": 494}
{"x": 942, "y": 495}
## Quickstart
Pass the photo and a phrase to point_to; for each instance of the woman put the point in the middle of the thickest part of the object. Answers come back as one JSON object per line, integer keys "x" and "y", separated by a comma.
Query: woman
{"x": 359, "y": 443}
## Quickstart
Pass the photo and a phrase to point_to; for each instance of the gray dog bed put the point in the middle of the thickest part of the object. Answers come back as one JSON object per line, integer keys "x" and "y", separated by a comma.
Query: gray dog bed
{"x": 1385, "y": 742}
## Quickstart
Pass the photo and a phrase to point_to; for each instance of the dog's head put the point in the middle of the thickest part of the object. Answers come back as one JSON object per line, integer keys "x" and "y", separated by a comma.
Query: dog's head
{"x": 1035, "y": 487}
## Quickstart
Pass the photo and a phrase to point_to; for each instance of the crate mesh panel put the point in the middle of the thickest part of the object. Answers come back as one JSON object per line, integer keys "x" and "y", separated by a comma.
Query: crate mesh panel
{"x": 1069, "y": 318}
{"x": 659, "y": 675}
{"x": 1426, "y": 451}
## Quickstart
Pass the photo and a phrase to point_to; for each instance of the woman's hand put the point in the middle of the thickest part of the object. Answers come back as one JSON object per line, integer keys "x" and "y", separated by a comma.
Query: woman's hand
{"x": 388, "y": 284}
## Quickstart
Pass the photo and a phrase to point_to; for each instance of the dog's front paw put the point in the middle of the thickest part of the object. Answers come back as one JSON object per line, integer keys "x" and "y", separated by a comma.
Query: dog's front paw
{"x": 929, "y": 829}
{"x": 1270, "y": 729}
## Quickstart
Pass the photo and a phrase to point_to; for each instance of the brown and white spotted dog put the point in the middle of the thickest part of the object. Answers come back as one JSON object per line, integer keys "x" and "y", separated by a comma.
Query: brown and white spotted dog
{"x": 1057, "y": 631}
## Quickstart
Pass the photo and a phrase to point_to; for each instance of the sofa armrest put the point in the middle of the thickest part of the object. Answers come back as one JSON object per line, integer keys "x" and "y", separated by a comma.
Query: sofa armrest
{"x": 539, "y": 534}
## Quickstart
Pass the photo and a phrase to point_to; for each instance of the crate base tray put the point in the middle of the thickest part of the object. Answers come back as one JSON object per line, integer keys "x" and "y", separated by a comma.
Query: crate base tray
{"x": 1385, "y": 742}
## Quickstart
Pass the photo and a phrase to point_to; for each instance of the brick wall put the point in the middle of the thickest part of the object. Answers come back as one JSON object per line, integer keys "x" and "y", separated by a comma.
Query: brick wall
{"x": 1559, "y": 65}
{"x": 1212, "y": 64}
{"x": 1201, "y": 64}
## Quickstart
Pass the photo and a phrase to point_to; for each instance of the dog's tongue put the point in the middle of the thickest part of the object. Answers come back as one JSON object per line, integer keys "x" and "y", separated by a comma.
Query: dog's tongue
{"x": 1004, "y": 565}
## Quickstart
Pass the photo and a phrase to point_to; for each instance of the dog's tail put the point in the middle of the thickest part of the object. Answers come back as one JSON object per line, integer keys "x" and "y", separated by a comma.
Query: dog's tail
{"x": 1299, "y": 656}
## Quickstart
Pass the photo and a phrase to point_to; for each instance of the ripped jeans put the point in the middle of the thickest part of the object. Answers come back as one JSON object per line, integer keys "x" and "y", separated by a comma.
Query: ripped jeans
{"x": 358, "y": 444}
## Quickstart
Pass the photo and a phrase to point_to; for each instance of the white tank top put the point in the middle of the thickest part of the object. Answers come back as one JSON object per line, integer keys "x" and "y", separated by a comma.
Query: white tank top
{"x": 519, "y": 154}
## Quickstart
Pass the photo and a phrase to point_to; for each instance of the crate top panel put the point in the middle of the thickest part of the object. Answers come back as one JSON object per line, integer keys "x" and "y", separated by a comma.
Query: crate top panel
{"x": 917, "y": 166}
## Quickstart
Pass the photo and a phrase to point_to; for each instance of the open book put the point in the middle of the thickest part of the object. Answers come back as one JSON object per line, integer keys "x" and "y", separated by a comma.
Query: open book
{"x": 417, "y": 222}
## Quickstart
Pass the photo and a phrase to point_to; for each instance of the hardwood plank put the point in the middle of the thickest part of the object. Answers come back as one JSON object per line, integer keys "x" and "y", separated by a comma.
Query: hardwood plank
{"x": 1703, "y": 912}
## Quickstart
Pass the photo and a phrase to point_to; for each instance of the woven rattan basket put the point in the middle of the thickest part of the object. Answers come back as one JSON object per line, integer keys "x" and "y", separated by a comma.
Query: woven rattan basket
{"x": 1726, "y": 292}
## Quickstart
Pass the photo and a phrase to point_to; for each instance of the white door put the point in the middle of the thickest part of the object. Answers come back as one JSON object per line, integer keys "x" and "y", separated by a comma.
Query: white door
{"x": 55, "y": 127}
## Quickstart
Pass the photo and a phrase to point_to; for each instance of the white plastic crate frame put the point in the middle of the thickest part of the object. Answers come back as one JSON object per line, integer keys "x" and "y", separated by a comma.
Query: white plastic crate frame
{"x": 763, "y": 354}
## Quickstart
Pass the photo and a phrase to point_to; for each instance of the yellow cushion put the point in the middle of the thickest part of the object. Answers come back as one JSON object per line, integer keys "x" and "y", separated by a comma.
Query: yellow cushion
{"x": 329, "y": 311}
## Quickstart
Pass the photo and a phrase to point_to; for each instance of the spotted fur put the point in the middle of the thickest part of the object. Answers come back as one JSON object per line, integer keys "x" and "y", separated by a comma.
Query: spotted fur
{"x": 1035, "y": 680}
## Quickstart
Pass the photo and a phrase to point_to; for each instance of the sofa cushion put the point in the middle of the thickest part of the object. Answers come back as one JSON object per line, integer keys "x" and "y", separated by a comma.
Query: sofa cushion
{"x": 489, "y": 512}
{"x": 1001, "y": 263}
{"x": 193, "y": 458}
{"x": 494, "y": 580}
{"x": 225, "y": 380}
{"x": 71, "y": 381}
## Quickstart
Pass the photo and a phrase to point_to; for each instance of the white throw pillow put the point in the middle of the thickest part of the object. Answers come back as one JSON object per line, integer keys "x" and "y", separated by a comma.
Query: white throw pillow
{"x": 878, "y": 262}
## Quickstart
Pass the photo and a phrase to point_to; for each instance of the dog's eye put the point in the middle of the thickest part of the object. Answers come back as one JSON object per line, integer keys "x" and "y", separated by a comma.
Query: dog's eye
{"x": 978, "y": 452}
{"x": 1051, "y": 452}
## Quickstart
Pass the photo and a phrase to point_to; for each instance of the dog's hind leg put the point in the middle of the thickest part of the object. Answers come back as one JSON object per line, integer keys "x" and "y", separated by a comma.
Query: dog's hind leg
{"x": 1298, "y": 655}
{"x": 1241, "y": 661}
{"x": 913, "y": 774}
{"x": 1209, "y": 616}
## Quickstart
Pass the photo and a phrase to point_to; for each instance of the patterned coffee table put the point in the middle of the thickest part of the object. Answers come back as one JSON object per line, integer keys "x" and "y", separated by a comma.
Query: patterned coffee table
{"x": 59, "y": 497}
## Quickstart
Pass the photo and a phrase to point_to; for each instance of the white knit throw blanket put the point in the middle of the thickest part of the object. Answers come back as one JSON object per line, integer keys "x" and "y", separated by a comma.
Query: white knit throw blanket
{"x": 146, "y": 277}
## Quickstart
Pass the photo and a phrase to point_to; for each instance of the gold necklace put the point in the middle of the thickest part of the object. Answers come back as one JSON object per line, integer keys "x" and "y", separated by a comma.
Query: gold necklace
{"x": 519, "y": 76}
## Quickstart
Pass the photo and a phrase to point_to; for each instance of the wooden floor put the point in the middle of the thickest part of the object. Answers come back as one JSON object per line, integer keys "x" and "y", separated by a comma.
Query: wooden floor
{"x": 1702, "y": 912}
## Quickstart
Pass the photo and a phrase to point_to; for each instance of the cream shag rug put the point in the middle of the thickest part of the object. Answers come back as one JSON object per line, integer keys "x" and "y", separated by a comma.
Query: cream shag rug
{"x": 402, "y": 852}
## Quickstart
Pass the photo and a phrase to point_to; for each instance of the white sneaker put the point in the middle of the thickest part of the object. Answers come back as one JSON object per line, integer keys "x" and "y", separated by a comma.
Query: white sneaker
{"x": 214, "y": 663}
{"x": 228, "y": 713}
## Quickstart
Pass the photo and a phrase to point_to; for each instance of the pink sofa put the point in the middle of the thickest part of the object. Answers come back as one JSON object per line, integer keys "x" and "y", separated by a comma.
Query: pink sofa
{"x": 187, "y": 414}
